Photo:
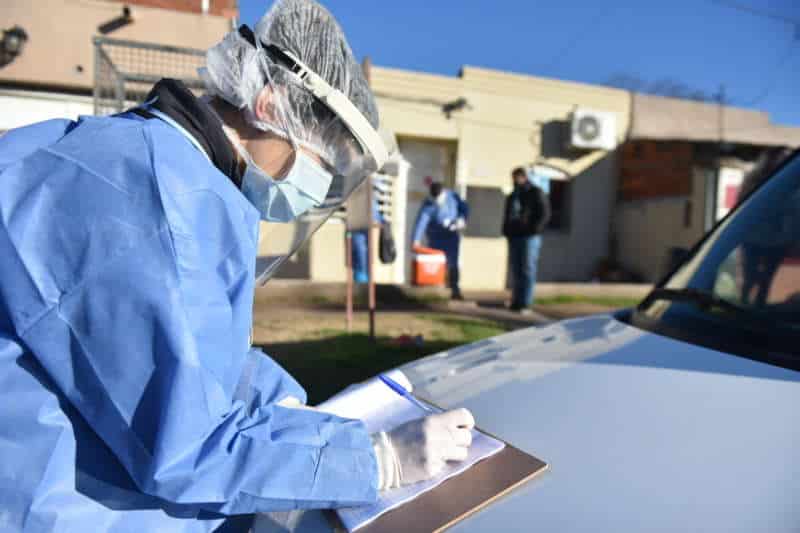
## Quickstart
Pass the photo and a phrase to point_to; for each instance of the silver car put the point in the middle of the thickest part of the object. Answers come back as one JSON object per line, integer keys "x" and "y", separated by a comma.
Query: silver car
{"x": 680, "y": 415}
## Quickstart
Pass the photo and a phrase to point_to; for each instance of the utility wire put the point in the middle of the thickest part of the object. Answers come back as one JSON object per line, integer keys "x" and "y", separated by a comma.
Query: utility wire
{"x": 753, "y": 11}
{"x": 576, "y": 38}
{"x": 765, "y": 92}
{"x": 775, "y": 77}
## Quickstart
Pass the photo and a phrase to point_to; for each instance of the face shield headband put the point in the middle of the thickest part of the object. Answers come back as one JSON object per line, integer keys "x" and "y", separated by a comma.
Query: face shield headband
{"x": 359, "y": 127}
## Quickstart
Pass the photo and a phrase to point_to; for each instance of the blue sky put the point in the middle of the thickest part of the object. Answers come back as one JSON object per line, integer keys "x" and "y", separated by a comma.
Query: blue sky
{"x": 701, "y": 43}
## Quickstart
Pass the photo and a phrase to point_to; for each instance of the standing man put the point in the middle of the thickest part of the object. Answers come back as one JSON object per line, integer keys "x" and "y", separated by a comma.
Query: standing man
{"x": 526, "y": 215}
{"x": 442, "y": 218}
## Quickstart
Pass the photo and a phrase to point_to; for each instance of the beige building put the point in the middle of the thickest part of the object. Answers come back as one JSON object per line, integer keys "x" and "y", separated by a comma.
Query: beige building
{"x": 504, "y": 120}
{"x": 54, "y": 74}
{"x": 680, "y": 172}
{"x": 673, "y": 171}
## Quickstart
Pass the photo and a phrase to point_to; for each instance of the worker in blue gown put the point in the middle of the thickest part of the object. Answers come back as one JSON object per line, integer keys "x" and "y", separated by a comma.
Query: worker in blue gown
{"x": 441, "y": 219}
{"x": 131, "y": 398}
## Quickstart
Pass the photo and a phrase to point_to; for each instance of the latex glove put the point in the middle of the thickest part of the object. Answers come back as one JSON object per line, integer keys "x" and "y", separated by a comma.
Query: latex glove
{"x": 419, "y": 449}
{"x": 458, "y": 225}
{"x": 293, "y": 403}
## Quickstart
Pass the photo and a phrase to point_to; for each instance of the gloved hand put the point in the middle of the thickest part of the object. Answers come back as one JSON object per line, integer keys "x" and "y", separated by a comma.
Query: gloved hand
{"x": 459, "y": 224}
{"x": 293, "y": 403}
{"x": 419, "y": 449}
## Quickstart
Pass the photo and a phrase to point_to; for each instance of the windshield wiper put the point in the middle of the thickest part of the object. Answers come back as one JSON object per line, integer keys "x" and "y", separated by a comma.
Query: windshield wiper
{"x": 703, "y": 300}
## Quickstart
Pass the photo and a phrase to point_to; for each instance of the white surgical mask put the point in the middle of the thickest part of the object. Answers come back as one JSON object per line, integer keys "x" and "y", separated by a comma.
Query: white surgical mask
{"x": 305, "y": 186}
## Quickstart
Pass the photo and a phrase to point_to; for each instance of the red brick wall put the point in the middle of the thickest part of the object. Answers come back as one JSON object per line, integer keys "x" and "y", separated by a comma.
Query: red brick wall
{"x": 652, "y": 169}
{"x": 224, "y": 8}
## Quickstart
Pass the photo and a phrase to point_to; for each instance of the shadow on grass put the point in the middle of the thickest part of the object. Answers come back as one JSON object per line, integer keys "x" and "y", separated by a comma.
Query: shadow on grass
{"x": 326, "y": 366}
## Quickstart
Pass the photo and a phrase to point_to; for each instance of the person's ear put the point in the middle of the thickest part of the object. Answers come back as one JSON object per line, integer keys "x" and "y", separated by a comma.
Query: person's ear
{"x": 265, "y": 105}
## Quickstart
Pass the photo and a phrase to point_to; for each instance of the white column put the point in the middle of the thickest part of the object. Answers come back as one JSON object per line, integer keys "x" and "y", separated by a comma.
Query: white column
{"x": 399, "y": 203}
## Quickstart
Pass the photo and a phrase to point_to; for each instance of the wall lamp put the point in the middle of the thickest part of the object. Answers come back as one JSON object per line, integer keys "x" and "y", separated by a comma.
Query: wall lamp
{"x": 12, "y": 44}
{"x": 117, "y": 23}
{"x": 456, "y": 105}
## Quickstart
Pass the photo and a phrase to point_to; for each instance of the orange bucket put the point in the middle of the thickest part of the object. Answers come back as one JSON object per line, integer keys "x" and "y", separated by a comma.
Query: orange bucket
{"x": 429, "y": 266}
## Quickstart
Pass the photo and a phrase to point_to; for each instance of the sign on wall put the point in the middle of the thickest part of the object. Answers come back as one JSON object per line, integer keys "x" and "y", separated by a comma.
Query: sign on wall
{"x": 728, "y": 185}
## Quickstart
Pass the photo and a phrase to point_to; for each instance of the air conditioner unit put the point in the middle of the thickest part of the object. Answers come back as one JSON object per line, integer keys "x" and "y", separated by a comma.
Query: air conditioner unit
{"x": 593, "y": 130}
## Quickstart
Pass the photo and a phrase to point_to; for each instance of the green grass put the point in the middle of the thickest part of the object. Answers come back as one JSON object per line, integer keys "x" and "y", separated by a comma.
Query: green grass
{"x": 468, "y": 330}
{"x": 606, "y": 301}
{"x": 328, "y": 364}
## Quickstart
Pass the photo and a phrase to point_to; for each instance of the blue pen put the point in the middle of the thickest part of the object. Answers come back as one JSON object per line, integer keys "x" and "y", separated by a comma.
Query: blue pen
{"x": 399, "y": 389}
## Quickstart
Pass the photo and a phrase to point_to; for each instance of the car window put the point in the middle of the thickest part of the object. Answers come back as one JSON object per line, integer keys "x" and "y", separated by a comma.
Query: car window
{"x": 742, "y": 284}
{"x": 763, "y": 270}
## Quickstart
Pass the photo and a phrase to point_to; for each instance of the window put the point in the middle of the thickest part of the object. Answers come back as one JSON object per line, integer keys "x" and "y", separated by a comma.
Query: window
{"x": 560, "y": 193}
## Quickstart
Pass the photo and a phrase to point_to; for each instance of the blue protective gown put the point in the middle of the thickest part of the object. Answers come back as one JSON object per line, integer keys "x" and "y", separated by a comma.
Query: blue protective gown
{"x": 431, "y": 222}
{"x": 130, "y": 399}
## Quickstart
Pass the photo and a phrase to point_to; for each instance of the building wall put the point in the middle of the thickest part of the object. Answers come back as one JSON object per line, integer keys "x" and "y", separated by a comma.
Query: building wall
{"x": 59, "y": 52}
{"x": 671, "y": 193}
{"x": 573, "y": 255}
{"x": 326, "y": 256}
{"x": 20, "y": 108}
{"x": 222, "y": 8}
{"x": 327, "y": 253}
{"x": 646, "y": 229}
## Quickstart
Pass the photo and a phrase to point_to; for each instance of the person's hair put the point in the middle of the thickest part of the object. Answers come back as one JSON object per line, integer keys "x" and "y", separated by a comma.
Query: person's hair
{"x": 518, "y": 171}
{"x": 436, "y": 188}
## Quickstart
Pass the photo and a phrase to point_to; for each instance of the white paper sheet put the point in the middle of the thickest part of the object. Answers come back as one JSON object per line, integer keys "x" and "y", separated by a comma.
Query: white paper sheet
{"x": 382, "y": 409}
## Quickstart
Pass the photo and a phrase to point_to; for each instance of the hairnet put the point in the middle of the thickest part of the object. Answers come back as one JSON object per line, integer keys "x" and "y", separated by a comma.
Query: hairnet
{"x": 237, "y": 72}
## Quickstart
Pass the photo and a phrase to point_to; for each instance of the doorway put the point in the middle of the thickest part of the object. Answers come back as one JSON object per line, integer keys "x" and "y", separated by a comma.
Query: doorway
{"x": 429, "y": 158}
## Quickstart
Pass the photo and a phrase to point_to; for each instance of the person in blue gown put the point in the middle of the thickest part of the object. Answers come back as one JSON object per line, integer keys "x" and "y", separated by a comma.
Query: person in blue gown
{"x": 441, "y": 220}
{"x": 131, "y": 398}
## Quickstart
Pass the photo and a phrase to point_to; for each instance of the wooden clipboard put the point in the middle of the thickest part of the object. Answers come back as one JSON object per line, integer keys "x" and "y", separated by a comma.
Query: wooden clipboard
{"x": 460, "y": 496}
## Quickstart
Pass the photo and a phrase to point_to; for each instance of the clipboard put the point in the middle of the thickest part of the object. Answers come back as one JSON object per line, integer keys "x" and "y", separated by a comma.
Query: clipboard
{"x": 459, "y": 497}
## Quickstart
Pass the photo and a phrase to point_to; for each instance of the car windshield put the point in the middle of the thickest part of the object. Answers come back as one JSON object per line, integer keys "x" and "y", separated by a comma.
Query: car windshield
{"x": 744, "y": 278}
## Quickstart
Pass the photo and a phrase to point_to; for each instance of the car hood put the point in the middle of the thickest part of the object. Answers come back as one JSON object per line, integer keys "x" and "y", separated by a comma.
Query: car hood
{"x": 641, "y": 432}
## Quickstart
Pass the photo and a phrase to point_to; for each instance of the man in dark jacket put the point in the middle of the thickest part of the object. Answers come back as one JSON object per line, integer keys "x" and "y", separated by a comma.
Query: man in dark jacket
{"x": 526, "y": 215}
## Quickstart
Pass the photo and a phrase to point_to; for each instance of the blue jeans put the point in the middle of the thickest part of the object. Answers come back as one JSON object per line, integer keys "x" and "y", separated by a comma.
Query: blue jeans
{"x": 360, "y": 256}
{"x": 523, "y": 254}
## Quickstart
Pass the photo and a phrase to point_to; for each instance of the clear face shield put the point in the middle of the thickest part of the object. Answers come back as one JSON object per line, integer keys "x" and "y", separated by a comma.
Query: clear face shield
{"x": 279, "y": 241}
{"x": 347, "y": 144}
